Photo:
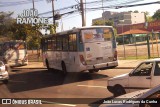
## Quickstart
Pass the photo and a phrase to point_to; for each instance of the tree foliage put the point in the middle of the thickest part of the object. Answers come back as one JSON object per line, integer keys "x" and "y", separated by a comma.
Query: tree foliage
{"x": 136, "y": 11}
{"x": 28, "y": 33}
{"x": 103, "y": 22}
{"x": 10, "y": 30}
{"x": 148, "y": 18}
{"x": 5, "y": 23}
{"x": 156, "y": 15}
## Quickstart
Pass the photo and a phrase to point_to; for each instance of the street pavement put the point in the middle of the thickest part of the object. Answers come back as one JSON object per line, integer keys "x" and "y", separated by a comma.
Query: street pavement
{"x": 123, "y": 64}
{"x": 82, "y": 89}
{"x": 73, "y": 90}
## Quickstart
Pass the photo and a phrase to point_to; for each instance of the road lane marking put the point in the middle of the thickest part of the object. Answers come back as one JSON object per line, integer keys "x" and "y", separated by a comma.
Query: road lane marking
{"x": 91, "y": 86}
{"x": 49, "y": 102}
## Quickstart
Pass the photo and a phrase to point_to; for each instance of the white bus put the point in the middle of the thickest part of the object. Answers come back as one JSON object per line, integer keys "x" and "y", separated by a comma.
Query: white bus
{"x": 80, "y": 49}
{"x": 14, "y": 53}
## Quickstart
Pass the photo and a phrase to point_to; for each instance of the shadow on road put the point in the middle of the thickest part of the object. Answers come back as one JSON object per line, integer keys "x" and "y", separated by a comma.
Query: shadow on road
{"x": 36, "y": 79}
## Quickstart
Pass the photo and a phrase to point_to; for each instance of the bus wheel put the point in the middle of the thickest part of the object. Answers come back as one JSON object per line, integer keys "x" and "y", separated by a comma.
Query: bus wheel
{"x": 47, "y": 64}
{"x": 64, "y": 70}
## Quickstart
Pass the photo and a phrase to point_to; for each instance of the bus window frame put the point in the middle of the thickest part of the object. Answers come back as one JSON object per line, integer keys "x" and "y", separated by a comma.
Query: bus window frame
{"x": 74, "y": 50}
{"x": 54, "y": 40}
{"x": 66, "y": 38}
{"x": 57, "y": 37}
{"x": 50, "y": 38}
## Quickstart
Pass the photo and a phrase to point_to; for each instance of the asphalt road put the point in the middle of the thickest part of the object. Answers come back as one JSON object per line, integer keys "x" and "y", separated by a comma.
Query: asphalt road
{"x": 73, "y": 90}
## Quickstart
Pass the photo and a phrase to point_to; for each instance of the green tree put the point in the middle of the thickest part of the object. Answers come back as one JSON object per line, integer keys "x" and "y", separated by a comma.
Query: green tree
{"x": 136, "y": 11}
{"x": 156, "y": 15}
{"x": 5, "y": 23}
{"x": 27, "y": 32}
{"x": 130, "y": 11}
{"x": 148, "y": 18}
{"x": 10, "y": 30}
{"x": 103, "y": 22}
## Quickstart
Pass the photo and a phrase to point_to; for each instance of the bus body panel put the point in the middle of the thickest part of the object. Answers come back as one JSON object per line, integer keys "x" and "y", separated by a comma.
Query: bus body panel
{"x": 98, "y": 52}
{"x": 94, "y": 53}
{"x": 71, "y": 60}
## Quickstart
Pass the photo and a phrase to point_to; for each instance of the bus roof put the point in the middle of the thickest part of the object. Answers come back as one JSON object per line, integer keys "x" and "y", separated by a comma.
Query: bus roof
{"x": 76, "y": 30}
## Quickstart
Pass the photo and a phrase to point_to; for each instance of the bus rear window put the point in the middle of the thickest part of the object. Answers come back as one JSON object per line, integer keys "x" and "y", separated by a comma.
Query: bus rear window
{"x": 97, "y": 34}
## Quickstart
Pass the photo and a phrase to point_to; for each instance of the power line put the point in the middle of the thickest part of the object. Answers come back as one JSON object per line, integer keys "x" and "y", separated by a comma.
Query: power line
{"x": 6, "y": 4}
{"x": 76, "y": 6}
{"x": 123, "y": 6}
{"x": 158, "y": 2}
{"x": 64, "y": 8}
{"x": 63, "y": 14}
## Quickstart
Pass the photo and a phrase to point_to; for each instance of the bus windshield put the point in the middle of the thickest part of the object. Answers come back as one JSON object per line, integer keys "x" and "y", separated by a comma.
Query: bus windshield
{"x": 97, "y": 34}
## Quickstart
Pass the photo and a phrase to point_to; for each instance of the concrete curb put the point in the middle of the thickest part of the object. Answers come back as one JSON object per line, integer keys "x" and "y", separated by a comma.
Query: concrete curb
{"x": 124, "y": 68}
{"x": 46, "y": 68}
{"x": 28, "y": 68}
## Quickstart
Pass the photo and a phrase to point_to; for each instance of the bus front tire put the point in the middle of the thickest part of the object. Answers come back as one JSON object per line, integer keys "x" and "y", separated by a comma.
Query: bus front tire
{"x": 64, "y": 69}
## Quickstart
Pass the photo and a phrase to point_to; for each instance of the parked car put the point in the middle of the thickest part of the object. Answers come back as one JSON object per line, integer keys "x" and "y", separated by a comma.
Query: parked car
{"x": 4, "y": 76}
{"x": 146, "y": 75}
{"x": 142, "y": 98}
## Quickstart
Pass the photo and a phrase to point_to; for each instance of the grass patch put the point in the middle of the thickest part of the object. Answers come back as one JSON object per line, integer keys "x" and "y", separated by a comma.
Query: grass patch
{"x": 134, "y": 58}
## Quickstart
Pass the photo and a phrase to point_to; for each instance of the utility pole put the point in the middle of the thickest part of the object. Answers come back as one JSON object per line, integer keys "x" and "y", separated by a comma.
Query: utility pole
{"x": 33, "y": 4}
{"x": 33, "y": 7}
{"x": 103, "y": 13}
{"x": 54, "y": 23}
{"x": 82, "y": 13}
{"x": 85, "y": 9}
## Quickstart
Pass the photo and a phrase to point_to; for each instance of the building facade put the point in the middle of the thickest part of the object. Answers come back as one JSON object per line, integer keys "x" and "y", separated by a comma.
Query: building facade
{"x": 122, "y": 18}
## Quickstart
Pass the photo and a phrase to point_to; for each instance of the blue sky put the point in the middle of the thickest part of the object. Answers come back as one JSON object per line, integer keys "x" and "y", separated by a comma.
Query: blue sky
{"x": 74, "y": 20}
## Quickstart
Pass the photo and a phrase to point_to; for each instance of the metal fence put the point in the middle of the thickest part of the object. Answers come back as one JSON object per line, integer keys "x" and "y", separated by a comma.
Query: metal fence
{"x": 142, "y": 46}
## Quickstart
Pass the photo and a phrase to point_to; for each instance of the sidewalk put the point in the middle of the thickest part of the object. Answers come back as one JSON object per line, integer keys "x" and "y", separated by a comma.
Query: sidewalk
{"x": 128, "y": 64}
{"x": 32, "y": 65}
{"x": 123, "y": 64}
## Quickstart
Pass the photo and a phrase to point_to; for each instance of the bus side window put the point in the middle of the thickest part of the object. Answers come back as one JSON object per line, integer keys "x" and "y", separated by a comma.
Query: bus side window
{"x": 54, "y": 43}
{"x": 49, "y": 44}
{"x": 80, "y": 37}
{"x": 59, "y": 43}
{"x": 65, "y": 42}
{"x": 73, "y": 42}
{"x": 46, "y": 44}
